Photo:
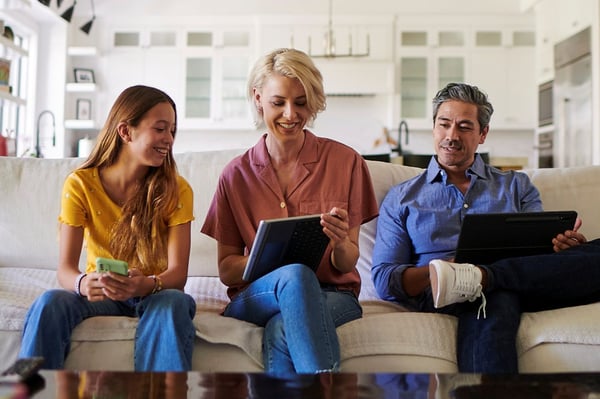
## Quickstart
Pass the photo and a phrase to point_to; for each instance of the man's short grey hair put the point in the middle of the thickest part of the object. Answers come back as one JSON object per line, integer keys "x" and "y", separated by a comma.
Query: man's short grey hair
{"x": 468, "y": 94}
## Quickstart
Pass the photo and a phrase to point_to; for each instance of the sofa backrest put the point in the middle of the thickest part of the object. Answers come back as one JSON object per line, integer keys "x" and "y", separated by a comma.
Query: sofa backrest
{"x": 202, "y": 171}
{"x": 576, "y": 188}
{"x": 30, "y": 201}
{"x": 29, "y": 206}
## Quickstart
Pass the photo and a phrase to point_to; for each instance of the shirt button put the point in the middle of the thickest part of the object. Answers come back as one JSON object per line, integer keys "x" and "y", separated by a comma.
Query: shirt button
{"x": 282, "y": 204}
{"x": 465, "y": 206}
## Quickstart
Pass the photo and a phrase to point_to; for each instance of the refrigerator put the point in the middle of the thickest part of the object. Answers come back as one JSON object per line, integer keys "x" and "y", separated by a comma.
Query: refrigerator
{"x": 572, "y": 101}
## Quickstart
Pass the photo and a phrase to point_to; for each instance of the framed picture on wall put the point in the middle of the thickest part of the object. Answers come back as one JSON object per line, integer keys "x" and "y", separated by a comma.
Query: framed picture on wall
{"x": 84, "y": 109}
{"x": 83, "y": 75}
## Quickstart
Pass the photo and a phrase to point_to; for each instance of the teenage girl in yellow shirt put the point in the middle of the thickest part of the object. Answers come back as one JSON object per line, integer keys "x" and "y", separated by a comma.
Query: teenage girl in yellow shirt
{"x": 127, "y": 202}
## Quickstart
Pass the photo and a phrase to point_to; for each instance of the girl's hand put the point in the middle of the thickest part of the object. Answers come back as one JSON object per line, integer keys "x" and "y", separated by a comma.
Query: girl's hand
{"x": 121, "y": 288}
{"x": 91, "y": 287}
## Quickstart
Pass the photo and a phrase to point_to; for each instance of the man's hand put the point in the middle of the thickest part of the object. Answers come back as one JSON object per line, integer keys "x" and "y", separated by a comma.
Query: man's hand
{"x": 569, "y": 238}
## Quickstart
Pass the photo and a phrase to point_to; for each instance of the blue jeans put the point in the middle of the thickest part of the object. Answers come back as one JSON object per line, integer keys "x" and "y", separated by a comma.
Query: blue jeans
{"x": 516, "y": 285}
{"x": 299, "y": 317}
{"x": 164, "y": 338}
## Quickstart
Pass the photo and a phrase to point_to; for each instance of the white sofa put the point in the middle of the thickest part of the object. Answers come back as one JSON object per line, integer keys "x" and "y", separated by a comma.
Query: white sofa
{"x": 386, "y": 339}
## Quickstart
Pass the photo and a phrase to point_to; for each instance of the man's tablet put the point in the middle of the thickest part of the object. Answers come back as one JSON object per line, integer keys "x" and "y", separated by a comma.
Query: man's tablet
{"x": 487, "y": 237}
{"x": 278, "y": 242}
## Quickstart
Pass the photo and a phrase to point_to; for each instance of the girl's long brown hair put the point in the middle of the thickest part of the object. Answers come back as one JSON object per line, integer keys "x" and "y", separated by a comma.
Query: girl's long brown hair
{"x": 140, "y": 236}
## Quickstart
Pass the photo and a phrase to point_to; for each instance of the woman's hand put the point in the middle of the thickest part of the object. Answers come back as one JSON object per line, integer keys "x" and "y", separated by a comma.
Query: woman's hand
{"x": 569, "y": 238}
{"x": 343, "y": 239}
{"x": 335, "y": 225}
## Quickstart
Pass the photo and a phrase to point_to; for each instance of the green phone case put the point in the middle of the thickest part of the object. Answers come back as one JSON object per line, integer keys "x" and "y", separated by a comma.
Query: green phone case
{"x": 104, "y": 265}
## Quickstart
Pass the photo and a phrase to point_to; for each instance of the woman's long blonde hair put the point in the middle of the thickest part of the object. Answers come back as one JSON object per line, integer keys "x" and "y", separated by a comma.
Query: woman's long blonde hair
{"x": 139, "y": 237}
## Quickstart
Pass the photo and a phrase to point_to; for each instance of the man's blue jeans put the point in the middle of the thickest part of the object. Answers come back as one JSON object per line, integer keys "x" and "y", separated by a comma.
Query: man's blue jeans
{"x": 164, "y": 338}
{"x": 299, "y": 317}
{"x": 516, "y": 285}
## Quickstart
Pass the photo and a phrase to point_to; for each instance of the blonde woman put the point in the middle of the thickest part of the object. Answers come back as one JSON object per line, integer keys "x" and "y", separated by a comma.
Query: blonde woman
{"x": 127, "y": 202}
{"x": 290, "y": 172}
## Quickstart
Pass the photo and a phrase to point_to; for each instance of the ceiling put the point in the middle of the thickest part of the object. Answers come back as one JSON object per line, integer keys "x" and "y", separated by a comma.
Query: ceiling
{"x": 139, "y": 8}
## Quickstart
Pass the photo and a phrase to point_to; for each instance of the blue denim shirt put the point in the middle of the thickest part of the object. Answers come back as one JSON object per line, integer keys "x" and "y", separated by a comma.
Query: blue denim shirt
{"x": 420, "y": 219}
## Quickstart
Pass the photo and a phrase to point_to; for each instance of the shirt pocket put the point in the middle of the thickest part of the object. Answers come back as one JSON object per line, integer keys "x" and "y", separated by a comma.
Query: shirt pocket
{"x": 314, "y": 207}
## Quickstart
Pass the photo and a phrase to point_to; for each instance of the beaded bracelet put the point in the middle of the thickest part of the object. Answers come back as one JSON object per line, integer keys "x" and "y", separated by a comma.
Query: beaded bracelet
{"x": 78, "y": 283}
{"x": 157, "y": 284}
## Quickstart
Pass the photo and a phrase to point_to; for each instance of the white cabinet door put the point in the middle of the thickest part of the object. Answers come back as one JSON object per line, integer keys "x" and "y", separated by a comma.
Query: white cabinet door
{"x": 507, "y": 76}
{"x": 216, "y": 67}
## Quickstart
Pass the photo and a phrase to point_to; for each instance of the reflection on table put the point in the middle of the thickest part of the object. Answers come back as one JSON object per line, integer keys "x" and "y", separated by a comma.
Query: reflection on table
{"x": 130, "y": 385}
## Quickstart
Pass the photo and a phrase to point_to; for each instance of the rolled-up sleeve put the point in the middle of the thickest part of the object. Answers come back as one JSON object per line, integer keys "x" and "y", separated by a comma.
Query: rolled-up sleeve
{"x": 392, "y": 250}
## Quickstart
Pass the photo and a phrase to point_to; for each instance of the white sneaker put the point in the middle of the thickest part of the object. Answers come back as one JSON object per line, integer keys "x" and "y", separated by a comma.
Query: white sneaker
{"x": 454, "y": 282}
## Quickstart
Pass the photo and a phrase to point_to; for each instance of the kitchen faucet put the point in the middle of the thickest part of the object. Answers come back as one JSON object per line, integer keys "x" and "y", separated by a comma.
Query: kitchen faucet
{"x": 403, "y": 126}
{"x": 38, "y": 148}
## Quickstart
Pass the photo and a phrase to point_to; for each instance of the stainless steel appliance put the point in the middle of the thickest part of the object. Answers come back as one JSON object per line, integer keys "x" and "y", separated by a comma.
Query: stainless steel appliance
{"x": 572, "y": 98}
{"x": 544, "y": 149}
{"x": 545, "y": 104}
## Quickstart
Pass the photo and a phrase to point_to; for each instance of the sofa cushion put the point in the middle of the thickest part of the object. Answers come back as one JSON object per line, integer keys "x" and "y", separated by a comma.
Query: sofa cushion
{"x": 384, "y": 176}
{"x": 574, "y": 325}
{"x": 18, "y": 289}
{"x": 203, "y": 172}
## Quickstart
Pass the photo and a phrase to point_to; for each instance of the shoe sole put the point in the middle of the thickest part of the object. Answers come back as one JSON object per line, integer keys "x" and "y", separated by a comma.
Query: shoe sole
{"x": 433, "y": 278}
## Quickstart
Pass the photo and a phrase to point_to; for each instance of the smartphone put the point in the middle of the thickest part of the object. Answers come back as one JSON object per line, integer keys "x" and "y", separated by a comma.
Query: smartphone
{"x": 104, "y": 265}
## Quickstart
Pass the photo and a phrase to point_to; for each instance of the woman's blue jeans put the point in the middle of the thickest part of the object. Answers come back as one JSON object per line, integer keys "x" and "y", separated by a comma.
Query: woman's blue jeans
{"x": 164, "y": 338}
{"x": 299, "y": 317}
{"x": 516, "y": 285}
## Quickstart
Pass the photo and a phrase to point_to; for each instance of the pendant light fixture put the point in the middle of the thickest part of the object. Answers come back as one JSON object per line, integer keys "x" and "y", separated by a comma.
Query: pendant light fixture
{"x": 68, "y": 14}
{"x": 330, "y": 50}
{"x": 88, "y": 25}
{"x": 45, "y": 2}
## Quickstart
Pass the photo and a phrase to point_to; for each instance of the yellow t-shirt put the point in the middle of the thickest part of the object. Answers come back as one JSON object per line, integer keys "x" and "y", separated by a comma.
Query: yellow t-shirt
{"x": 84, "y": 203}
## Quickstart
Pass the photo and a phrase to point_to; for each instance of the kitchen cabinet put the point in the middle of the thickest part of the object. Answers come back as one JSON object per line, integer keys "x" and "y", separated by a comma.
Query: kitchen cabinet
{"x": 500, "y": 61}
{"x": 504, "y": 70}
{"x": 151, "y": 57}
{"x": 557, "y": 20}
{"x": 428, "y": 60}
{"x": 217, "y": 63}
{"x": 203, "y": 70}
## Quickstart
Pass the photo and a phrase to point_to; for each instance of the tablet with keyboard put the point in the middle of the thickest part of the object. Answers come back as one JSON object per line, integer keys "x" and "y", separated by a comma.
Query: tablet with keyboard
{"x": 279, "y": 242}
{"x": 487, "y": 237}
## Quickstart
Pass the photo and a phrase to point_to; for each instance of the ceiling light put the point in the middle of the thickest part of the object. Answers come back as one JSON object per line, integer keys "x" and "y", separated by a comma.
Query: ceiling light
{"x": 58, "y": 3}
{"x": 45, "y": 2}
{"x": 68, "y": 14}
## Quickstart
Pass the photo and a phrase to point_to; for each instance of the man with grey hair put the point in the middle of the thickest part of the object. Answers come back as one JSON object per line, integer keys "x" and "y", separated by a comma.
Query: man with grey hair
{"x": 417, "y": 233}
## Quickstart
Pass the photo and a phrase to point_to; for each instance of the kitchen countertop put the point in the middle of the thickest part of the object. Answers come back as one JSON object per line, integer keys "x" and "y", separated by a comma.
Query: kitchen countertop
{"x": 504, "y": 163}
